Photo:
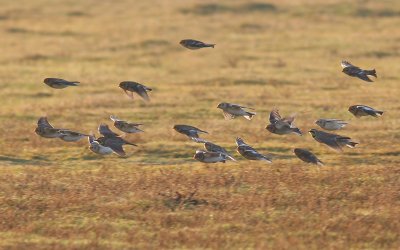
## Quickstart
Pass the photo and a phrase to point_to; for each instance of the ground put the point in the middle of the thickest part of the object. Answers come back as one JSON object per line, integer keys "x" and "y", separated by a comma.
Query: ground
{"x": 276, "y": 54}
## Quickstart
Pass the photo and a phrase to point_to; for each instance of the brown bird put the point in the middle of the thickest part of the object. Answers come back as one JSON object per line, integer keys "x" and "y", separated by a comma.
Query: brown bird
{"x": 281, "y": 126}
{"x": 130, "y": 87}
{"x": 231, "y": 111}
{"x": 362, "y": 110}
{"x": 194, "y": 44}
{"x": 307, "y": 156}
{"x": 354, "y": 71}
{"x": 58, "y": 83}
{"x": 125, "y": 126}
{"x": 333, "y": 141}
{"x": 46, "y": 130}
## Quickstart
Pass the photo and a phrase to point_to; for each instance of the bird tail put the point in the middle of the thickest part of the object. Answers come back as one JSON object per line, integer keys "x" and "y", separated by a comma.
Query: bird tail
{"x": 372, "y": 73}
{"x": 73, "y": 83}
{"x": 351, "y": 144}
{"x": 265, "y": 158}
{"x": 379, "y": 112}
{"x": 297, "y": 131}
{"x": 320, "y": 163}
{"x": 211, "y": 45}
{"x": 249, "y": 115}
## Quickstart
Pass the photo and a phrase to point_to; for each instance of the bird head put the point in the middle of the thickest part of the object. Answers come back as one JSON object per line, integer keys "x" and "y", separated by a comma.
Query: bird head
{"x": 123, "y": 85}
{"x": 239, "y": 141}
{"x": 319, "y": 122}
{"x": 271, "y": 128}
{"x": 222, "y": 105}
{"x": 312, "y": 132}
{"x": 199, "y": 155}
{"x": 353, "y": 109}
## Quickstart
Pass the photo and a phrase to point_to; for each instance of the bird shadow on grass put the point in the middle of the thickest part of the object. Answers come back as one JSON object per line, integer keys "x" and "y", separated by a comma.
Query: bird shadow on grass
{"x": 35, "y": 160}
{"x": 214, "y": 8}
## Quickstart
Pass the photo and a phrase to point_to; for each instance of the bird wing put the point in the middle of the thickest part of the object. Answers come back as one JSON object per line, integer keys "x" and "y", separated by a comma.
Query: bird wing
{"x": 363, "y": 76}
{"x": 237, "y": 106}
{"x": 214, "y": 148}
{"x": 228, "y": 116}
{"x": 274, "y": 116}
{"x": 117, "y": 148}
{"x": 91, "y": 138}
{"x": 289, "y": 119}
{"x": 128, "y": 93}
{"x": 43, "y": 122}
{"x": 114, "y": 118}
{"x": 143, "y": 93}
{"x": 346, "y": 64}
{"x": 106, "y": 131}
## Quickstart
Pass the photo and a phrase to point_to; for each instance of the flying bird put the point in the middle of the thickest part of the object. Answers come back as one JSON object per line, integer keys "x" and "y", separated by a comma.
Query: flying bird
{"x": 281, "y": 126}
{"x": 125, "y": 126}
{"x": 331, "y": 124}
{"x": 362, "y": 110}
{"x": 58, "y": 83}
{"x": 333, "y": 141}
{"x": 97, "y": 148}
{"x": 250, "y": 153}
{"x": 354, "y": 71}
{"x": 211, "y": 147}
{"x": 231, "y": 111}
{"x": 130, "y": 87}
{"x": 307, "y": 156}
{"x": 46, "y": 130}
{"x": 209, "y": 157}
{"x": 71, "y": 136}
{"x": 112, "y": 140}
{"x": 194, "y": 44}
{"x": 190, "y": 131}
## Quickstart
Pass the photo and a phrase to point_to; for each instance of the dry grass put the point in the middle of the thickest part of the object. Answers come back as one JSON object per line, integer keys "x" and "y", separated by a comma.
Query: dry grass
{"x": 283, "y": 54}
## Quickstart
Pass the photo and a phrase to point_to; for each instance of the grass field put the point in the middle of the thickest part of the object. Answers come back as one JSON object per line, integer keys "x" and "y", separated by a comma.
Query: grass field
{"x": 284, "y": 54}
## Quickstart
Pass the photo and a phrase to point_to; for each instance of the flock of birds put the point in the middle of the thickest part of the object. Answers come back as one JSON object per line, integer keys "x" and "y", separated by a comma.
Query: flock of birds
{"x": 111, "y": 142}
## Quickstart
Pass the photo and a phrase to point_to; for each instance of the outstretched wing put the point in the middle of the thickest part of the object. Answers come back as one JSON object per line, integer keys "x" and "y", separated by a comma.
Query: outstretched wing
{"x": 363, "y": 76}
{"x": 106, "y": 131}
{"x": 42, "y": 122}
{"x": 239, "y": 106}
{"x": 228, "y": 116}
{"x": 274, "y": 116}
{"x": 141, "y": 90}
{"x": 346, "y": 64}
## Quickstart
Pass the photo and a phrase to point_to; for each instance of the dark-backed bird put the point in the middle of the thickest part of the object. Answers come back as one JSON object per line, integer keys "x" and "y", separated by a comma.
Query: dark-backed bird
{"x": 354, "y": 71}
{"x": 250, "y": 153}
{"x": 333, "y": 141}
{"x": 307, "y": 156}
{"x": 362, "y": 110}
{"x": 58, "y": 83}
{"x": 190, "y": 131}
{"x": 281, "y": 126}
{"x": 112, "y": 140}
{"x": 129, "y": 87}
{"x": 194, "y": 44}
{"x": 211, "y": 147}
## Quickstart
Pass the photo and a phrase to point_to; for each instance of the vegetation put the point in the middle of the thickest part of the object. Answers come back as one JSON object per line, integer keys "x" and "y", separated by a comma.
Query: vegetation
{"x": 284, "y": 54}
